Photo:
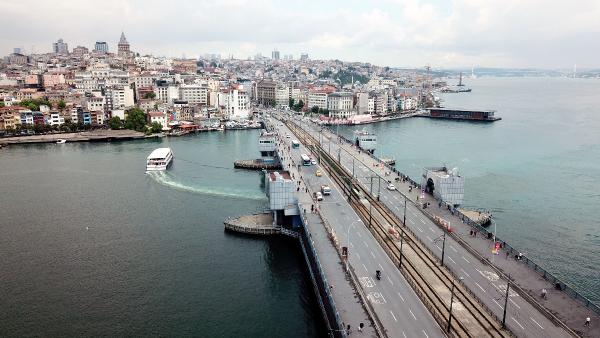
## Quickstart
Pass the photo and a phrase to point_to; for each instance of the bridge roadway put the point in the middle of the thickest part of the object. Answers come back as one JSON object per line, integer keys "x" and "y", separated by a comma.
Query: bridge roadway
{"x": 522, "y": 317}
{"x": 396, "y": 305}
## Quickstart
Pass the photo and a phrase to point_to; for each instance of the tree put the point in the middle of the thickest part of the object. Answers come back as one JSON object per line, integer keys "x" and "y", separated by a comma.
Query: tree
{"x": 150, "y": 95}
{"x": 61, "y": 105}
{"x": 136, "y": 120}
{"x": 299, "y": 105}
{"x": 115, "y": 122}
{"x": 155, "y": 127}
{"x": 314, "y": 110}
{"x": 291, "y": 103}
{"x": 1, "y": 104}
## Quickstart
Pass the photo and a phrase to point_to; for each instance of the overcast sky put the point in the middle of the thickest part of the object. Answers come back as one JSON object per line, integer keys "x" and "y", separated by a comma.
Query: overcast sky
{"x": 441, "y": 33}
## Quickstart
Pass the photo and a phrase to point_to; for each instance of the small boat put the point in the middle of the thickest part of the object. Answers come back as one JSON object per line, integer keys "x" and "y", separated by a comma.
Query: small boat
{"x": 61, "y": 141}
{"x": 159, "y": 159}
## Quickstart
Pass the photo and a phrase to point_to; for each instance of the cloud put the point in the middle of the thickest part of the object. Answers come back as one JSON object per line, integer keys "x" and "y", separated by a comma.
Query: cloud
{"x": 511, "y": 33}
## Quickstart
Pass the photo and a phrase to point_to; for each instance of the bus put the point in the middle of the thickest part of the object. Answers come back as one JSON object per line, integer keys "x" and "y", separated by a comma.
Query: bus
{"x": 305, "y": 159}
{"x": 295, "y": 144}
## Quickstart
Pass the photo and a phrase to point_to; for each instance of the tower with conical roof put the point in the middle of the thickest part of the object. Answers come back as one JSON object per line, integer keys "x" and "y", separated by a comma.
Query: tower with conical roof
{"x": 123, "y": 46}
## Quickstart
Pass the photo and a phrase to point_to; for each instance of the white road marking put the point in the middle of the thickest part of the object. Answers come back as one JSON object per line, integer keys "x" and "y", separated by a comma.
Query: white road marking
{"x": 450, "y": 258}
{"x": 399, "y": 295}
{"x": 390, "y": 280}
{"x": 352, "y": 245}
{"x": 422, "y": 221}
{"x": 404, "y": 334}
{"x": 453, "y": 249}
{"x": 358, "y": 233}
{"x": 393, "y": 315}
{"x": 380, "y": 267}
{"x": 466, "y": 260}
{"x": 412, "y": 314}
{"x": 432, "y": 230}
{"x": 437, "y": 246}
{"x": 411, "y": 221}
{"x": 515, "y": 304}
{"x": 502, "y": 307}
{"x": 538, "y": 324}
{"x": 466, "y": 274}
{"x": 365, "y": 243}
{"x": 425, "y": 333}
{"x": 429, "y": 238}
{"x": 513, "y": 318}
{"x": 372, "y": 254}
{"x": 357, "y": 255}
{"x": 364, "y": 266}
{"x": 482, "y": 289}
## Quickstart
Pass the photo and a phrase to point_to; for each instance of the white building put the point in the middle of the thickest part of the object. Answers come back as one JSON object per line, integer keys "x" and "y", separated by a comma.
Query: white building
{"x": 282, "y": 192}
{"x": 194, "y": 94}
{"x": 362, "y": 103}
{"x": 167, "y": 93}
{"x": 95, "y": 103}
{"x": 237, "y": 104}
{"x": 317, "y": 98}
{"x": 341, "y": 105}
{"x": 119, "y": 97}
{"x": 282, "y": 96}
{"x": 159, "y": 117}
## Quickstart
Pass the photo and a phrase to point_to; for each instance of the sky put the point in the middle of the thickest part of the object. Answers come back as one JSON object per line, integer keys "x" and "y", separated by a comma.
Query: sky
{"x": 399, "y": 33}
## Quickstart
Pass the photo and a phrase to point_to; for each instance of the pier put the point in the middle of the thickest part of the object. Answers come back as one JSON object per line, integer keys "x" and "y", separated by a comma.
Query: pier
{"x": 257, "y": 224}
{"x": 86, "y": 136}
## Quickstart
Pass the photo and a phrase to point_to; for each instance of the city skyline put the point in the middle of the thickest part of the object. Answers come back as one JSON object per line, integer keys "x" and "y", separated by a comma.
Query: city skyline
{"x": 402, "y": 33}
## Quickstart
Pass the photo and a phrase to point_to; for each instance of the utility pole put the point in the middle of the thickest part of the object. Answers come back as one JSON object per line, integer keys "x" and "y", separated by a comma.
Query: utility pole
{"x": 505, "y": 303}
{"x": 451, "y": 300}
{"x": 379, "y": 189}
{"x": 443, "y": 247}
{"x": 401, "y": 242}
{"x": 353, "y": 167}
{"x": 404, "y": 215}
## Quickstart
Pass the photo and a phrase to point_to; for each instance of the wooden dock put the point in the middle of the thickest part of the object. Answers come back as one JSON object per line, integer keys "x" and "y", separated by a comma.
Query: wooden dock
{"x": 257, "y": 164}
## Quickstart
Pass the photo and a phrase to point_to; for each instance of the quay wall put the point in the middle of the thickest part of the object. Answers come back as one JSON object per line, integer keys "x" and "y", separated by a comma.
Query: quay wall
{"x": 569, "y": 290}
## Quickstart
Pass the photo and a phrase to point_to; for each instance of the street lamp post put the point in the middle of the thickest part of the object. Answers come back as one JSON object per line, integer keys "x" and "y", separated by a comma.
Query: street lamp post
{"x": 404, "y": 215}
{"x": 451, "y": 301}
{"x": 505, "y": 303}
{"x": 493, "y": 245}
{"x": 348, "y": 245}
{"x": 401, "y": 242}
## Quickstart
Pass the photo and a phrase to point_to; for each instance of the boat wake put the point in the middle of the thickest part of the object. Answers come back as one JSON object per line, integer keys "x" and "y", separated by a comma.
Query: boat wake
{"x": 166, "y": 179}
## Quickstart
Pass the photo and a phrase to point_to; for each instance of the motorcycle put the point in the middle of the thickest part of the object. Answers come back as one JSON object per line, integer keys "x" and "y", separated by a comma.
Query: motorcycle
{"x": 378, "y": 275}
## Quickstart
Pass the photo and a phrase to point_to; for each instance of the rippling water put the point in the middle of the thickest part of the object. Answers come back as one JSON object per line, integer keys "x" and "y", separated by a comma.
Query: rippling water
{"x": 93, "y": 246}
{"x": 538, "y": 169}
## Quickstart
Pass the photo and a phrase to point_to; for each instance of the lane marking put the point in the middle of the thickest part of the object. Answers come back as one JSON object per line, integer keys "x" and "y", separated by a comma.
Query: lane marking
{"x": 364, "y": 266}
{"x": 513, "y": 318}
{"x": 404, "y": 334}
{"x": 357, "y": 255}
{"x": 515, "y": 304}
{"x": 450, "y": 258}
{"x": 422, "y": 221}
{"x": 393, "y": 315}
{"x": 538, "y": 324}
{"x": 431, "y": 240}
{"x": 412, "y": 314}
{"x": 352, "y": 245}
{"x": 358, "y": 233}
{"x": 421, "y": 230}
{"x": 365, "y": 243}
{"x": 482, "y": 289}
{"x": 501, "y": 307}
{"x": 425, "y": 333}
{"x": 466, "y": 274}
{"x": 399, "y": 295}
{"x": 432, "y": 230}
{"x": 372, "y": 254}
{"x": 453, "y": 249}
{"x": 412, "y": 222}
{"x": 466, "y": 260}
{"x": 390, "y": 280}
{"x": 437, "y": 246}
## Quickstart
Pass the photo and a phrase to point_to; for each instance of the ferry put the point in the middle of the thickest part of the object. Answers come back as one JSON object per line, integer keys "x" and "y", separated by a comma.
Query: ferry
{"x": 159, "y": 159}
{"x": 61, "y": 141}
{"x": 366, "y": 141}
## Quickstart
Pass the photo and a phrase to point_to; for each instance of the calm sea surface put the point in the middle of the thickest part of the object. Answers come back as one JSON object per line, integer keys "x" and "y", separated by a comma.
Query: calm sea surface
{"x": 90, "y": 245}
{"x": 538, "y": 169}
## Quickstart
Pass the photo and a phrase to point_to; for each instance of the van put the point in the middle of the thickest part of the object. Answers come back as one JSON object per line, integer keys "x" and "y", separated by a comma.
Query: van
{"x": 326, "y": 190}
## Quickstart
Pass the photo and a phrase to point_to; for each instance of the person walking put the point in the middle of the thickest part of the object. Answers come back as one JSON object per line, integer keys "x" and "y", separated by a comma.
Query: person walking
{"x": 360, "y": 326}
{"x": 544, "y": 293}
{"x": 587, "y": 322}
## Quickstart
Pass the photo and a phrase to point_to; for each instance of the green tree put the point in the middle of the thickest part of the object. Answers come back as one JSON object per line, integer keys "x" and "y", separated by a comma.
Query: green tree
{"x": 314, "y": 110}
{"x": 115, "y": 123}
{"x": 150, "y": 95}
{"x": 1, "y": 104}
{"x": 291, "y": 103}
{"x": 61, "y": 105}
{"x": 155, "y": 127}
{"x": 299, "y": 105}
{"x": 136, "y": 120}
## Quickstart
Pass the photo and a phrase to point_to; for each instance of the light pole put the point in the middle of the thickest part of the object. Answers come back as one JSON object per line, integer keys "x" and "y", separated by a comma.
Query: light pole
{"x": 451, "y": 301}
{"x": 505, "y": 302}
{"x": 348, "y": 245}
{"x": 401, "y": 242}
{"x": 494, "y": 245}
{"x": 404, "y": 215}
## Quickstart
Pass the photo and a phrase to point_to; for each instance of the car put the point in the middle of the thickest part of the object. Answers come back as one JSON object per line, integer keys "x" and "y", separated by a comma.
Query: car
{"x": 318, "y": 196}
{"x": 325, "y": 189}
{"x": 391, "y": 187}
{"x": 318, "y": 173}
{"x": 313, "y": 161}
{"x": 287, "y": 136}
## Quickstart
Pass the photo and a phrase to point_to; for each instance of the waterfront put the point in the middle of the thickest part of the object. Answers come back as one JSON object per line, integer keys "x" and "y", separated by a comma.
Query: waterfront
{"x": 93, "y": 246}
{"x": 537, "y": 169}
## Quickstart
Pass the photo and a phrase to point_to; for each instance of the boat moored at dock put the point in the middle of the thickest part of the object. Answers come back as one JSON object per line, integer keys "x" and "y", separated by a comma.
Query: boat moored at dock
{"x": 159, "y": 159}
{"x": 462, "y": 114}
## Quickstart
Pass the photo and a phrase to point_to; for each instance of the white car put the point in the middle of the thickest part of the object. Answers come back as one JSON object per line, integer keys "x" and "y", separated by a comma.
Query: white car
{"x": 313, "y": 162}
{"x": 318, "y": 196}
{"x": 287, "y": 136}
{"x": 391, "y": 187}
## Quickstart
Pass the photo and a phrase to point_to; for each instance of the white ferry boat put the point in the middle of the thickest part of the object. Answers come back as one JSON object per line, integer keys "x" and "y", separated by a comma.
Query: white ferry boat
{"x": 159, "y": 159}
